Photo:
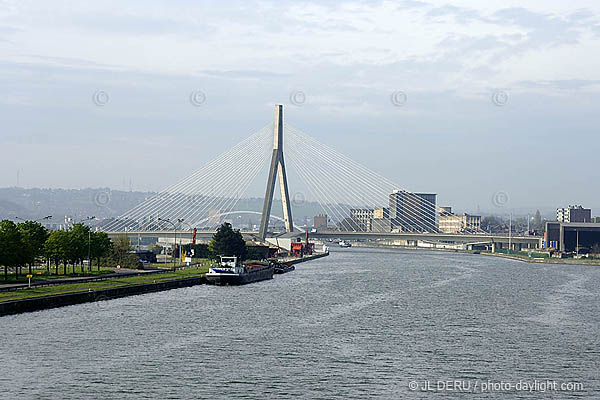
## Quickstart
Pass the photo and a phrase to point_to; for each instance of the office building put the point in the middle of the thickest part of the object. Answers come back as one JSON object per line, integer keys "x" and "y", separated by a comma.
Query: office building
{"x": 459, "y": 223}
{"x": 413, "y": 212}
{"x": 574, "y": 214}
{"x": 361, "y": 218}
{"x": 381, "y": 220}
{"x": 446, "y": 211}
{"x": 320, "y": 221}
{"x": 381, "y": 213}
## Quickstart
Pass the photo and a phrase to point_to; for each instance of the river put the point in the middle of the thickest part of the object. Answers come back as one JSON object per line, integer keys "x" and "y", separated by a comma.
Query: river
{"x": 361, "y": 323}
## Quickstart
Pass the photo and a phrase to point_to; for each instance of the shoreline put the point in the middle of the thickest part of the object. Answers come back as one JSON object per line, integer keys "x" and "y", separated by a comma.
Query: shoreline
{"x": 548, "y": 260}
{"x": 49, "y": 301}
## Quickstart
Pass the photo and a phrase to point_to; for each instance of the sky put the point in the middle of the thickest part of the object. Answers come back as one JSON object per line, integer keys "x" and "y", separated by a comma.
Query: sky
{"x": 489, "y": 104}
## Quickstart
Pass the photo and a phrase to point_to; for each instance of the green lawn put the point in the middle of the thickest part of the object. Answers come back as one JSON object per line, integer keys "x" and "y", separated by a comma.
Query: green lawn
{"x": 101, "y": 285}
{"x": 41, "y": 273}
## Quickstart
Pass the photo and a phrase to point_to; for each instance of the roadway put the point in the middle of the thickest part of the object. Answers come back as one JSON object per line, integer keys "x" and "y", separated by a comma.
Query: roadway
{"x": 410, "y": 238}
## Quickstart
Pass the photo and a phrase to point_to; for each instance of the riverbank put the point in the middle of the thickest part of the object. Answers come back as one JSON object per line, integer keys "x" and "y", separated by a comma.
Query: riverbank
{"x": 545, "y": 260}
{"x": 40, "y": 298}
{"x": 305, "y": 258}
{"x": 524, "y": 257}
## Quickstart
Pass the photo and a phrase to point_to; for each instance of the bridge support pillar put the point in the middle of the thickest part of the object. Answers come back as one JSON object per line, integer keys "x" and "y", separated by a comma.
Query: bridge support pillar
{"x": 493, "y": 247}
{"x": 277, "y": 168}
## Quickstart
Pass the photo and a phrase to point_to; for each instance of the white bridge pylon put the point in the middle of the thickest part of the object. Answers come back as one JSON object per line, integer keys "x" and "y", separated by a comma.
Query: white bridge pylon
{"x": 277, "y": 168}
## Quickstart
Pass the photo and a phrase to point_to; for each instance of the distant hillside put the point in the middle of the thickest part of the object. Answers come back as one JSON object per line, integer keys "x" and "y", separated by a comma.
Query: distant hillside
{"x": 77, "y": 203}
{"x": 106, "y": 203}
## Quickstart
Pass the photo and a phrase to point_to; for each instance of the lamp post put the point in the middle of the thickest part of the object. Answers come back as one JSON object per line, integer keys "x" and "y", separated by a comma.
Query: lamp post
{"x": 181, "y": 220}
{"x": 89, "y": 243}
{"x": 174, "y": 240}
{"x": 35, "y": 220}
{"x": 510, "y": 234}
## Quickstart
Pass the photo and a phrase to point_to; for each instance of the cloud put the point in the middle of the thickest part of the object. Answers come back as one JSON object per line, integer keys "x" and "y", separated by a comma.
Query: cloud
{"x": 461, "y": 15}
{"x": 541, "y": 29}
{"x": 348, "y": 57}
{"x": 244, "y": 74}
{"x": 413, "y": 4}
{"x": 70, "y": 61}
{"x": 564, "y": 84}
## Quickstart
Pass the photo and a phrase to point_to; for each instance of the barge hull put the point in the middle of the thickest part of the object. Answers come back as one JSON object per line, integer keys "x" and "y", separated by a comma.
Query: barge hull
{"x": 240, "y": 279}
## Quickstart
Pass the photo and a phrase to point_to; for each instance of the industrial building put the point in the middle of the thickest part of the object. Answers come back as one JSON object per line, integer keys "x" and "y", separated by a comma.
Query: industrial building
{"x": 572, "y": 237}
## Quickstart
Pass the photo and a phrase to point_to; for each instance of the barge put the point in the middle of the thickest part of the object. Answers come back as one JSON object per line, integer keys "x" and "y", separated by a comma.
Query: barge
{"x": 232, "y": 272}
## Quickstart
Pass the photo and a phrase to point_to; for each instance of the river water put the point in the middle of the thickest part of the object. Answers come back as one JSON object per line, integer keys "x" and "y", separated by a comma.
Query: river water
{"x": 361, "y": 323}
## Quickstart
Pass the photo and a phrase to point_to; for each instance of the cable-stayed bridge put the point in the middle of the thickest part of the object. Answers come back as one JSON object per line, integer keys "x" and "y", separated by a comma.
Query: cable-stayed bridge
{"x": 358, "y": 202}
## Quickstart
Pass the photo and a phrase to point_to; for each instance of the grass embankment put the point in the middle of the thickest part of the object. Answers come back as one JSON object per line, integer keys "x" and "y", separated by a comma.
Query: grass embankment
{"x": 102, "y": 285}
{"x": 41, "y": 274}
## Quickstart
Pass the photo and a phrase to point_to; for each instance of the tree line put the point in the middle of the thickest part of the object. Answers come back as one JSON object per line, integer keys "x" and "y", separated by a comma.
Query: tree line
{"x": 24, "y": 244}
{"x": 21, "y": 245}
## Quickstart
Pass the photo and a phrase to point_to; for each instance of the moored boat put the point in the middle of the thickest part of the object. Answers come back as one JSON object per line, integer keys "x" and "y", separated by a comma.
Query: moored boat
{"x": 283, "y": 268}
{"x": 344, "y": 243}
{"x": 232, "y": 272}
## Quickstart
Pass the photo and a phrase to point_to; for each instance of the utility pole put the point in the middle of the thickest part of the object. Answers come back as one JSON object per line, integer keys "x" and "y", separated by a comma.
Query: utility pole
{"x": 89, "y": 250}
{"x": 509, "y": 233}
{"x": 174, "y": 240}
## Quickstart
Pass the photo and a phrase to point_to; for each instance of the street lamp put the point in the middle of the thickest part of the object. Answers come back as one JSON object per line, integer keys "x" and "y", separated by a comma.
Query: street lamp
{"x": 181, "y": 220}
{"x": 35, "y": 220}
{"x": 90, "y": 218}
{"x": 174, "y": 240}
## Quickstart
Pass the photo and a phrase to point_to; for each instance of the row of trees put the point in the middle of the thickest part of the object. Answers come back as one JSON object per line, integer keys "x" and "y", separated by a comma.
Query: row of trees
{"x": 24, "y": 243}
{"x": 75, "y": 245}
{"x": 21, "y": 245}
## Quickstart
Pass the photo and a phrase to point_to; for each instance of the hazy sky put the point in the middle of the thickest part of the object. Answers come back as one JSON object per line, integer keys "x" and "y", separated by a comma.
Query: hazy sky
{"x": 494, "y": 97}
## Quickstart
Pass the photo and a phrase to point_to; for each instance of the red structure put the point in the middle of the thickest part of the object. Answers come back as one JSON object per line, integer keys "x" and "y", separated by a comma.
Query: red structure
{"x": 299, "y": 248}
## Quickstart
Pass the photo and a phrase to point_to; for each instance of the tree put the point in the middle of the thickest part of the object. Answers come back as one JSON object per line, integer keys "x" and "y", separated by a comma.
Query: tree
{"x": 33, "y": 236}
{"x": 79, "y": 235}
{"x": 121, "y": 247}
{"x": 200, "y": 250}
{"x": 228, "y": 242}
{"x": 157, "y": 248}
{"x": 56, "y": 248}
{"x": 100, "y": 246}
{"x": 10, "y": 246}
{"x": 489, "y": 222}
